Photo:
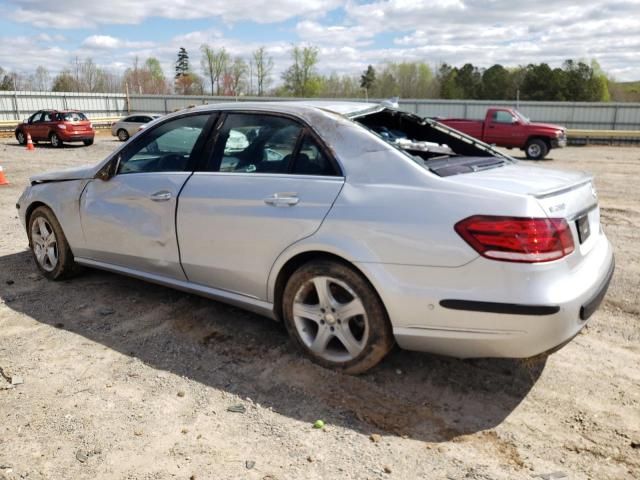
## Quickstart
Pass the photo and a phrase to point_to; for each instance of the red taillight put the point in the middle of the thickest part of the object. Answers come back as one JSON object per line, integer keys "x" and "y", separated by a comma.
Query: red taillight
{"x": 517, "y": 239}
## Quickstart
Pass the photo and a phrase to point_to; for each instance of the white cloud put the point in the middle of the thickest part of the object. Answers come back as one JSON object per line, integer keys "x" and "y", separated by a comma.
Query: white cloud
{"x": 482, "y": 32}
{"x": 70, "y": 14}
{"x": 109, "y": 42}
{"x": 313, "y": 32}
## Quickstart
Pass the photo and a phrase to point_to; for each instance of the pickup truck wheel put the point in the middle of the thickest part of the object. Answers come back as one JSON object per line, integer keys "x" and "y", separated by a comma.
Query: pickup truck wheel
{"x": 334, "y": 316}
{"x": 536, "y": 149}
{"x": 55, "y": 140}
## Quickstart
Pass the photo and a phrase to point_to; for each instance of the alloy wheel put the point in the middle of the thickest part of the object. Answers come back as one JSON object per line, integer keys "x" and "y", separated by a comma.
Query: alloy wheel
{"x": 45, "y": 244}
{"x": 330, "y": 319}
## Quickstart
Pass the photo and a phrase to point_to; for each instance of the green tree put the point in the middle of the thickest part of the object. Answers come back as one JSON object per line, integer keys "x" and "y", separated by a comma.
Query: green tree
{"x": 495, "y": 83}
{"x": 368, "y": 79}
{"x": 182, "y": 63}
{"x": 447, "y": 79}
{"x": 301, "y": 78}
{"x": 64, "y": 82}
{"x": 469, "y": 81}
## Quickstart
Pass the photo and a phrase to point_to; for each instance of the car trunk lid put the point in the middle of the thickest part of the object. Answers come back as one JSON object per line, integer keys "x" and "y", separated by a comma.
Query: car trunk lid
{"x": 561, "y": 194}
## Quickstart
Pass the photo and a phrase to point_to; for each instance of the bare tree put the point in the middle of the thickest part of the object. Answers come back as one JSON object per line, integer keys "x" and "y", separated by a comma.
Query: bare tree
{"x": 89, "y": 75}
{"x": 41, "y": 79}
{"x": 263, "y": 68}
{"x": 237, "y": 74}
{"x": 208, "y": 63}
{"x": 220, "y": 67}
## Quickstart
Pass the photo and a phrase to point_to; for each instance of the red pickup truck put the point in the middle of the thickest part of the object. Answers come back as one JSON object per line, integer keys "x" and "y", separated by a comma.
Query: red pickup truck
{"x": 506, "y": 127}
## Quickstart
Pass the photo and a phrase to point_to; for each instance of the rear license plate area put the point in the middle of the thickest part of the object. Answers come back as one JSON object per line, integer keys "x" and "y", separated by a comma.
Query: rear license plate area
{"x": 583, "y": 227}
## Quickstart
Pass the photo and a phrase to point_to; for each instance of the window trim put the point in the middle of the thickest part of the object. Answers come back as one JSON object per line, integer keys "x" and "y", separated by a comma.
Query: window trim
{"x": 212, "y": 165}
{"x": 199, "y": 150}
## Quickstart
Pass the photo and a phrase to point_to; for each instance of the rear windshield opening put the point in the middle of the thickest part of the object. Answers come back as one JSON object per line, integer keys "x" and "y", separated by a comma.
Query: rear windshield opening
{"x": 430, "y": 144}
{"x": 72, "y": 117}
{"x": 403, "y": 129}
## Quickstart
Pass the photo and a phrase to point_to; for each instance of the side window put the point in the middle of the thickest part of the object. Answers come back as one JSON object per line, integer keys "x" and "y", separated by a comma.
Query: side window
{"x": 500, "y": 116}
{"x": 166, "y": 148}
{"x": 250, "y": 143}
{"x": 37, "y": 117}
{"x": 130, "y": 119}
{"x": 47, "y": 117}
{"x": 311, "y": 160}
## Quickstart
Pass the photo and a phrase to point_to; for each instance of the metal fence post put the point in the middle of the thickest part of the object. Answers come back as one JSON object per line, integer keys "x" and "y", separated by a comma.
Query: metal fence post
{"x": 15, "y": 105}
{"x": 615, "y": 117}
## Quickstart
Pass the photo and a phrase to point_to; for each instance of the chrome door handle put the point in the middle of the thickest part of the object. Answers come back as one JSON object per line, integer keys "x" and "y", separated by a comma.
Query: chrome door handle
{"x": 282, "y": 199}
{"x": 162, "y": 196}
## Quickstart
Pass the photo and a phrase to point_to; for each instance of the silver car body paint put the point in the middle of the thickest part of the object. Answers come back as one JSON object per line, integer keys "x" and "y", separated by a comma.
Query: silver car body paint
{"x": 391, "y": 218}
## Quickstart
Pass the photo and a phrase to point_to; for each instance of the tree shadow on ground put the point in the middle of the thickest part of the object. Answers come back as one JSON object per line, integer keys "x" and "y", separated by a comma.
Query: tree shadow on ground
{"x": 426, "y": 397}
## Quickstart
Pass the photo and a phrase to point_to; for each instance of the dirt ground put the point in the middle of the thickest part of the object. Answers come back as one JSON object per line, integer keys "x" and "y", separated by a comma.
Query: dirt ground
{"x": 120, "y": 379}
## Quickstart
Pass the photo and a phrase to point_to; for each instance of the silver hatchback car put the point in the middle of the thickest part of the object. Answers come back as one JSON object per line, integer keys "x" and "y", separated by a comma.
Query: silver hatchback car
{"x": 357, "y": 225}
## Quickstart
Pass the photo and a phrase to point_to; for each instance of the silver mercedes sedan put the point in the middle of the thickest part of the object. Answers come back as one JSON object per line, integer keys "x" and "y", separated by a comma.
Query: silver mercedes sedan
{"x": 357, "y": 225}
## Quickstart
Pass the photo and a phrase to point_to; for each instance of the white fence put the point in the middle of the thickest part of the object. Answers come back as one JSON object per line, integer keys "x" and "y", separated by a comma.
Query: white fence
{"x": 598, "y": 116}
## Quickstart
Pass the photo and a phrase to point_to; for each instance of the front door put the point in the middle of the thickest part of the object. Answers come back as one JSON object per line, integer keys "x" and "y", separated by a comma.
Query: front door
{"x": 271, "y": 184}
{"x": 503, "y": 129}
{"x": 129, "y": 220}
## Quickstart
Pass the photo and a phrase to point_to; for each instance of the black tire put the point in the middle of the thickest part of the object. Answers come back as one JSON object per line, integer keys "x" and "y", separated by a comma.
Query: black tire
{"x": 536, "y": 149}
{"x": 88, "y": 142}
{"x": 123, "y": 135}
{"x": 65, "y": 265}
{"x": 21, "y": 137}
{"x": 376, "y": 343}
{"x": 55, "y": 140}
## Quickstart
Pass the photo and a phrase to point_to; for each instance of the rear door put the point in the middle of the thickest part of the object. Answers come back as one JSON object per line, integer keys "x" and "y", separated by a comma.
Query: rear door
{"x": 270, "y": 184}
{"x": 129, "y": 220}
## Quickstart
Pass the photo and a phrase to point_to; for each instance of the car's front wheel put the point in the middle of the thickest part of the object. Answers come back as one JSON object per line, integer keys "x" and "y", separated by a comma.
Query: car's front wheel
{"x": 55, "y": 140}
{"x": 334, "y": 315}
{"x": 49, "y": 245}
{"x": 20, "y": 136}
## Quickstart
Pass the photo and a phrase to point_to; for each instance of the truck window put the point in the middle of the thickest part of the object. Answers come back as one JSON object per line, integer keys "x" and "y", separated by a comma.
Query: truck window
{"x": 502, "y": 116}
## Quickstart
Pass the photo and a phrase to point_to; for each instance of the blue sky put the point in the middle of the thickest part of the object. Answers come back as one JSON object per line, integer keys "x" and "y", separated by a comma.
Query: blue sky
{"x": 350, "y": 34}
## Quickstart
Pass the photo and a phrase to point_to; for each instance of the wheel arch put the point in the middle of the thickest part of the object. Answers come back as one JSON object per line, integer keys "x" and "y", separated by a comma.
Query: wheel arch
{"x": 298, "y": 259}
{"x": 32, "y": 206}
{"x": 545, "y": 139}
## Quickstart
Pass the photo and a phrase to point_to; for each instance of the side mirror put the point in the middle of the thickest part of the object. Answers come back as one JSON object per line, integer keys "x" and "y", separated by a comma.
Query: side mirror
{"x": 109, "y": 171}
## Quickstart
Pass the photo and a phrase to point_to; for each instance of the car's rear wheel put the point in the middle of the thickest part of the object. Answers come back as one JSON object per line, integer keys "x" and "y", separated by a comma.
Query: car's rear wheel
{"x": 49, "y": 245}
{"x": 55, "y": 140}
{"x": 88, "y": 142}
{"x": 21, "y": 137}
{"x": 123, "y": 135}
{"x": 536, "y": 149}
{"x": 335, "y": 316}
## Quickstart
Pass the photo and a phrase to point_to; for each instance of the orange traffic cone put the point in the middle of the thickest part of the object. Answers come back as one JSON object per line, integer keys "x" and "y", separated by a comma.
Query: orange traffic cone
{"x": 3, "y": 179}
{"x": 30, "y": 145}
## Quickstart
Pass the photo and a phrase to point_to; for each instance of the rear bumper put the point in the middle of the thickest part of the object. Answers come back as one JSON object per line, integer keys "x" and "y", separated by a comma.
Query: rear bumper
{"x": 76, "y": 137}
{"x": 492, "y": 309}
